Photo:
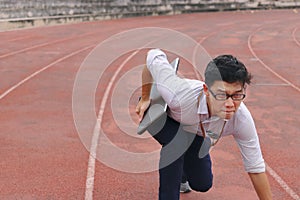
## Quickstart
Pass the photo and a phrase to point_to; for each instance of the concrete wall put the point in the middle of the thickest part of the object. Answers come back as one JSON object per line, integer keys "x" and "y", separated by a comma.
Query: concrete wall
{"x": 19, "y": 13}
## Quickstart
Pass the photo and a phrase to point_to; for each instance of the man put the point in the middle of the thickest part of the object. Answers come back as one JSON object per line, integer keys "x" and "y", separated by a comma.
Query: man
{"x": 199, "y": 114}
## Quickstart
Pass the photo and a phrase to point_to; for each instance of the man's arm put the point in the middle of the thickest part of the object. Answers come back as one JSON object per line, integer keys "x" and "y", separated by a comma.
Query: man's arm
{"x": 146, "y": 83}
{"x": 247, "y": 138}
{"x": 261, "y": 185}
{"x": 146, "y": 89}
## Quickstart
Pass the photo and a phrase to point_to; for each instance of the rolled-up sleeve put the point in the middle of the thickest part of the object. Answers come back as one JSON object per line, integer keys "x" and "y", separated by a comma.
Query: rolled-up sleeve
{"x": 248, "y": 142}
{"x": 163, "y": 75}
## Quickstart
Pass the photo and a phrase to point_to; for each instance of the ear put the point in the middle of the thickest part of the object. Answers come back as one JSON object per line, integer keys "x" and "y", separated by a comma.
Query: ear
{"x": 205, "y": 90}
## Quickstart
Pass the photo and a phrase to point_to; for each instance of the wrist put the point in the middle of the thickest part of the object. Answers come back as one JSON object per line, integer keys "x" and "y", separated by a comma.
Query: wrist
{"x": 145, "y": 97}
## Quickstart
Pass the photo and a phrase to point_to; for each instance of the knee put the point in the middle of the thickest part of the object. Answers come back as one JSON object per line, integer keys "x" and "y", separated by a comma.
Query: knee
{"x": 201, "y": 188}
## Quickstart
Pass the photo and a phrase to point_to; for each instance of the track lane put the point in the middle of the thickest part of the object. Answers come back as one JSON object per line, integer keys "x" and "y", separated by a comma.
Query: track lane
{"x": 289, "y": 56}
{"x": 283, "y": 106}
{"x": 120, "y": 185}
{"x": 241, "y": 182}
{"x": 240, "y": 53}
{"x": 4, "y": 94}
{"x": 42, "y": 157}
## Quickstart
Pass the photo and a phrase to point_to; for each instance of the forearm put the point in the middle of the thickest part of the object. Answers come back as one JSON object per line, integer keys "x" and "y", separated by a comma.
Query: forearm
{"x": 146, "y": 83}
{"x": 261, "y": 185}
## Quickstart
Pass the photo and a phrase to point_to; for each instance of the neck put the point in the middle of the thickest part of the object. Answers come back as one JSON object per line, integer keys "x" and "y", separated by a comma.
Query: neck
{"x": 208, "y": 107}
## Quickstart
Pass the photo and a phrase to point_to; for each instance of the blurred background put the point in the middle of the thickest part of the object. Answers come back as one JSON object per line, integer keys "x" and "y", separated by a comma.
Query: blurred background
{"x": 25, "y": 13}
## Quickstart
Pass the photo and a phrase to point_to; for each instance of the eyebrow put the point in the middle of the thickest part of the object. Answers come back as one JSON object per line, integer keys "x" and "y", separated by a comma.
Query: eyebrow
{"x": 223, "y": 90}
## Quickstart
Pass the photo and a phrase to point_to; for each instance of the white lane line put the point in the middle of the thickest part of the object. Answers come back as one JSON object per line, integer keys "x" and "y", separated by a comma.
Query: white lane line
{"x": 43, "y": 45}
{"x": 96, "y": 133}
{"x": 294, "y": 36}
{"x": 272, "y": 172}
{"x": 266, "y": 66}
{"x": 89, "y": 185}
{"x": 41, "y": 70}
{"x": 19, "y": 38}
{"x": 282, "y": 183}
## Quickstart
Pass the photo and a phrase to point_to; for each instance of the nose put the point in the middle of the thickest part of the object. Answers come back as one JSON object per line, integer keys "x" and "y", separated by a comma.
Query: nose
{"x": 229, "y": 102}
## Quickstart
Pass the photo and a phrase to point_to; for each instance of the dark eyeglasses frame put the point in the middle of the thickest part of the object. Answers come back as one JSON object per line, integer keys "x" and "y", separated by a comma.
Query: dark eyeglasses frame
{"x": 234, "y": 97}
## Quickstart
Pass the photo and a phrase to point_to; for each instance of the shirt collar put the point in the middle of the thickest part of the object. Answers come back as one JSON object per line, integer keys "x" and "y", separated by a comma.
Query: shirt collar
{"x": 203, "y": 111}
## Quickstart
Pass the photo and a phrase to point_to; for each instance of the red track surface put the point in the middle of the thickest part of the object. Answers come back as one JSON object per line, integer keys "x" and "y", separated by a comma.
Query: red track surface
{"x": 42, "y": 155}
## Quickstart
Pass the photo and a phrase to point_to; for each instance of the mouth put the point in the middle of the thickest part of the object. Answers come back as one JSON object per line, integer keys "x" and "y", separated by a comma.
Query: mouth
{"x": 228, "y": 113}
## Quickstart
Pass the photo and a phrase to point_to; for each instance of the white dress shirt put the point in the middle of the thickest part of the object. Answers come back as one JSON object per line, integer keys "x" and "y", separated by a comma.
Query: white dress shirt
{"x": 182, "y": 94}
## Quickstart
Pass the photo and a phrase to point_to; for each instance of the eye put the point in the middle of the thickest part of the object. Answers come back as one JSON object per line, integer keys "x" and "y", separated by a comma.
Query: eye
{"x": 238, "y": 96}
{"x": 221, "y": 96}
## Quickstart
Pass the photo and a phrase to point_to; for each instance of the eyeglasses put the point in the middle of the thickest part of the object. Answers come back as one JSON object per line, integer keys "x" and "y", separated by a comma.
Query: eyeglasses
{"x": 224, "y": 96}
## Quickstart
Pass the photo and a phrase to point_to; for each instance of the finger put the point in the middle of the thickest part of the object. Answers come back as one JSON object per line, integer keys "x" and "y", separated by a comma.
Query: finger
{"x": 137, "y": 110}
{"x": 141, "y": 114}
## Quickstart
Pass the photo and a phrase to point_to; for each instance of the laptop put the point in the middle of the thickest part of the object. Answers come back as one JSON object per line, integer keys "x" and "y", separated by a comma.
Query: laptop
{"x": 156, "y": 114}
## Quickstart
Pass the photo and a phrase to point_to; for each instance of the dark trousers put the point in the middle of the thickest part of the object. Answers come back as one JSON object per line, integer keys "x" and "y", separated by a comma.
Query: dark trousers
{"x": 179, "y": 154}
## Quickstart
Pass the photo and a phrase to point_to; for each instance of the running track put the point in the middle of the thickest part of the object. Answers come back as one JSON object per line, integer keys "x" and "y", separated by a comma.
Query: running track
{"x": 42, "y": 155}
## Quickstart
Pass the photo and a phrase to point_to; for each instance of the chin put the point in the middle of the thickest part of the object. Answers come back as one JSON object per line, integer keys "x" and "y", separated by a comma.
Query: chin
{"x": 228, "y": 117}
{"x": 225, "y": 115}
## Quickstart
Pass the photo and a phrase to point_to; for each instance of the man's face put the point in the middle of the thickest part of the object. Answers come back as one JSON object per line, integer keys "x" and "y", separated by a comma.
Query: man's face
{"x": 225, "y": 108}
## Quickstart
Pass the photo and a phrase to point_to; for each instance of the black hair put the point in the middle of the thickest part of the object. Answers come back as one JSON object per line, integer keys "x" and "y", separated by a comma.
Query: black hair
{"x": 226, "y": 68}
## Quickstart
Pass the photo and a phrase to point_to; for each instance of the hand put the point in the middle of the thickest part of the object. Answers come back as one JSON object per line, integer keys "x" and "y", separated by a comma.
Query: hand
{"x": 141, "y": 107}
